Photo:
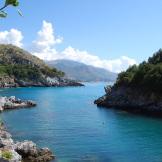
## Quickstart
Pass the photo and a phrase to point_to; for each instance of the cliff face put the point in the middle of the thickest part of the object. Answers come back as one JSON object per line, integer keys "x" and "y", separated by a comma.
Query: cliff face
{"x": 132, "y": 100}
{"x": 18, "y": 68}
{"x": 138, "y": 89}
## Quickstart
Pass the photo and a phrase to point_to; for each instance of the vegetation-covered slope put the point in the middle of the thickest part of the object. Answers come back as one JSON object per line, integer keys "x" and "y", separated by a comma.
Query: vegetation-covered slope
{"x": 138, "y": 89}
{"x": 147, "y": 75}
{"x": 19, "y": 68}
{"x": 16, "y": 62}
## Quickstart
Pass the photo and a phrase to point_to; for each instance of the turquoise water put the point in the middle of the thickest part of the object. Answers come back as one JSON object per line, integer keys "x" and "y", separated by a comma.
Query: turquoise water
{"x": 67, "y": 121}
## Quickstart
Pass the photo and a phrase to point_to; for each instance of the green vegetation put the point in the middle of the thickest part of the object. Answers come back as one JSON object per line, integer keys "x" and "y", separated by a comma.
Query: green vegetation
{"x": 7, "y": 155}
{"x": 147, "y": 75}
{"x": 7, "y": 3}
{"x": 28, "y": 72}
{"x": 17, "y": 63}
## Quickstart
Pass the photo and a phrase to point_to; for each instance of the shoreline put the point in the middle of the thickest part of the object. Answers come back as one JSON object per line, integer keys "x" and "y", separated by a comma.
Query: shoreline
{"x": 16, "y": 151}
{"x": 131, "y": 100}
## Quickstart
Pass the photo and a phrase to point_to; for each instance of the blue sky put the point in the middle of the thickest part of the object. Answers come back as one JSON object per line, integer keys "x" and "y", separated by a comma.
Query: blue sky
{"x": 105, "y": 28}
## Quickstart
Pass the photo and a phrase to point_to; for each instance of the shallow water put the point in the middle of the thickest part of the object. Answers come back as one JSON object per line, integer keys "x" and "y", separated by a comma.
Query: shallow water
{"x": 67, "y": 121}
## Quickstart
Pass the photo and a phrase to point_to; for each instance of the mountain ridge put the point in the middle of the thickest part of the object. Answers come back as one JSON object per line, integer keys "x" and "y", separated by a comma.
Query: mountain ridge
{"x": 82, "y": 72}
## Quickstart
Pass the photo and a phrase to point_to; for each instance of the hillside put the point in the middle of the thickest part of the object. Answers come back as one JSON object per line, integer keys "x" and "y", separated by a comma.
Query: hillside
{"x": 19, "y": 68}
{"x": 147, "y": 76}
{"x": 82, "y": 72}
{"x": 138, "y": 89}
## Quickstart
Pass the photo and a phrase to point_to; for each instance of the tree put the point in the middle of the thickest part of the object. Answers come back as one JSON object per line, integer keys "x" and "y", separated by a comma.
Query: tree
{"x": 7, "y": 3}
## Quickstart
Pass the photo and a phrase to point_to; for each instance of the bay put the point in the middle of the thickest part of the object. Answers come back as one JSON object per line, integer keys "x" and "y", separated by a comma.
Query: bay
{"x": 67, "y": 121}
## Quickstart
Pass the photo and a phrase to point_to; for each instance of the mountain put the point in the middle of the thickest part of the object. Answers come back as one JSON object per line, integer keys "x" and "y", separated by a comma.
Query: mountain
{"x": 19, "y": 68}
{"x": 82, "y": 72}
{"x": 138, "y": 89}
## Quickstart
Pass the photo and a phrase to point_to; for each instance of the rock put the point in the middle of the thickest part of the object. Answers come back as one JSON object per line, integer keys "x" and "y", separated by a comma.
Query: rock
{"x": 45, "y": 82}
{"x": 15, "y": 157}
{"x": 13, "y": 103}
{"x": 26, "y": 150}
{"x": 29, "y": 151}
{"x": 132, "y": 100}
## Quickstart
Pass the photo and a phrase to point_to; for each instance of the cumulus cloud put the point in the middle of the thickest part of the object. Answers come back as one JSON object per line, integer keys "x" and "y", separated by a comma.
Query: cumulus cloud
{"x": 44, "y": 48}
{"x": 114, "y": 65}
{"x": 13, "y": 36}
{"x": 46, "y": 39}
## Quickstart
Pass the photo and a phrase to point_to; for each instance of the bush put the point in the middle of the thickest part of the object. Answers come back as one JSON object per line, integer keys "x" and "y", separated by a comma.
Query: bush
{"x": 147, "y": 75}
{"x": 7, "y": 155}
{"x": 29, "y": 72}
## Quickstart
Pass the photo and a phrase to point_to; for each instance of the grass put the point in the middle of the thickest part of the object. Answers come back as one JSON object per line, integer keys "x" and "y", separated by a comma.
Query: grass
{"x": 7, "y": 155}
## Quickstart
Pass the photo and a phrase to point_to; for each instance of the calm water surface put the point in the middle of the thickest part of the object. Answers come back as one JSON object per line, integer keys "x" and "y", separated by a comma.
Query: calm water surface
{"x": 67, "y": 121}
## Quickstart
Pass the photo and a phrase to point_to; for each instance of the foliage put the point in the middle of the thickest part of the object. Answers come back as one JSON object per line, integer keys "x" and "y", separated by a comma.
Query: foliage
{"x": 28, "y": 72}
{"x": 52, "y": 72}
{"x": 7, "y": 3}
{"x": 22, "y": 65}
{"x": 7, "y": 155}
{"x": 147, "y": 75}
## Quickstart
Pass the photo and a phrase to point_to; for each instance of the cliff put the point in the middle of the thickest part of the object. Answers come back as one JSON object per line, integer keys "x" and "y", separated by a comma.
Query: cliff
{"x": 138, "y": 89}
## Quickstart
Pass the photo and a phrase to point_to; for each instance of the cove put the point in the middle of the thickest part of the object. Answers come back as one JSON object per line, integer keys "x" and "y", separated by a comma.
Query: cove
{"x": 67, "y": 121}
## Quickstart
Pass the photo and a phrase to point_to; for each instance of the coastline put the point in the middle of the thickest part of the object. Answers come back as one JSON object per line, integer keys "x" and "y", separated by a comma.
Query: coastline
{"x": 135, "y": 101}
{"x": 9, "y": 82}
{"x": 13, "y": 151}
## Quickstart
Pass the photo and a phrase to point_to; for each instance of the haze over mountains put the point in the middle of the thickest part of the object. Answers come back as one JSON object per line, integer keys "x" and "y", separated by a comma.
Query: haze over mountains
{"x": 82, "y": 72}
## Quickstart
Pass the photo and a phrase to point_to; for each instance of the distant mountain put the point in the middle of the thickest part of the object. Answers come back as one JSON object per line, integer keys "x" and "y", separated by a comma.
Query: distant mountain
{"x": 82, "y": 72}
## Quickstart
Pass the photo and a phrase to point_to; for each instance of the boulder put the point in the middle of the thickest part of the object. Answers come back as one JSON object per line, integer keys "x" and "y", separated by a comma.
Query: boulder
{"x": 30, "y": 152}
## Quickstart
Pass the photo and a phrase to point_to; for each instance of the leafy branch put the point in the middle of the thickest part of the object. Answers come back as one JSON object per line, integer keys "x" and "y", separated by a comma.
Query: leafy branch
{"x": 7, "y": 3}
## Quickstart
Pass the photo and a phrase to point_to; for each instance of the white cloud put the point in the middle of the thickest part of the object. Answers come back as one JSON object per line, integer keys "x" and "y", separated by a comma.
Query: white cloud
{"x": 46, "y": 39}
{"x": 13, "y": 36}
{"x": 44, "y": 49}
{"x": 115, "y": 65}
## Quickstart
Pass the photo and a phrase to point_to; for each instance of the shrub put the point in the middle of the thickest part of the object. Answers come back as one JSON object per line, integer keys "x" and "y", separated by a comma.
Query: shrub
{"x": 7, "y": 155}
{"x": 147, "y": 75}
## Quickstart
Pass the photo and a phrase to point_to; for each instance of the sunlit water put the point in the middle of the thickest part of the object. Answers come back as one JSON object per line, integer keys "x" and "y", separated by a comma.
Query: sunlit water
{"x": 67, "y": 121}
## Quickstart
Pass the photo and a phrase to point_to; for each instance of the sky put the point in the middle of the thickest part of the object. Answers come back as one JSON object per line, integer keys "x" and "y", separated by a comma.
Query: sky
{"x": 111, "y": 34}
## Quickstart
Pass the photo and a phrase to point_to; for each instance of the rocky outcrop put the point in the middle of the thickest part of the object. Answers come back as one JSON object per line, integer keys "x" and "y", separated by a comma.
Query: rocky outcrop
{"x": 11, "y": 82}
{"x": 30, "y": 152}
{"x": 25, "y": 151}
{"x": 13, "y": 103}
{"x": 131, "y": 99}
{"x": 7, "y": 82}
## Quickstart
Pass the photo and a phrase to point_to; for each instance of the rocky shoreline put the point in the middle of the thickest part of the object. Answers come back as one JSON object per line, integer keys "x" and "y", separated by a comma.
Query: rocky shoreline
{"x": 11, "y": 82}
{"x": 26, "y": 151}
{"x": 12, "y": 102}
{"x": 132, "y": 100}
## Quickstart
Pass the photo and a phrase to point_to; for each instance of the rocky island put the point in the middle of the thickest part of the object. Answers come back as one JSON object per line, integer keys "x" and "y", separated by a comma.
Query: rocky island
{"x": 138, "y": 89}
